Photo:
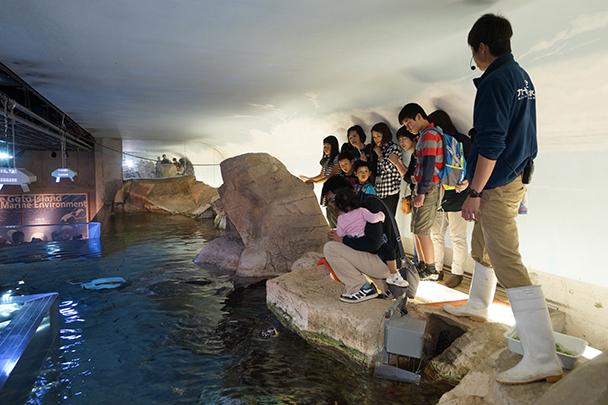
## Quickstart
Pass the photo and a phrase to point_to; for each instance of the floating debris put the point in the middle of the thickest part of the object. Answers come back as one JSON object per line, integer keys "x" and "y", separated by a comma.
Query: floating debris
{"x": 269, "y": 333}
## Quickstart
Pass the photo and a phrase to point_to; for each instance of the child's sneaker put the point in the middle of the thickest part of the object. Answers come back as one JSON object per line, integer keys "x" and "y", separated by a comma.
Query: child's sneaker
{"x": 366, "y": 292}
{"x": 429, "y": 274}
{"x": 396, "y": 279}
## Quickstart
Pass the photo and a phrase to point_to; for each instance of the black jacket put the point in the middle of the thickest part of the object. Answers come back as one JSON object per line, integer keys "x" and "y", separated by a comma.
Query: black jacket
{"x": 374, "y": 240}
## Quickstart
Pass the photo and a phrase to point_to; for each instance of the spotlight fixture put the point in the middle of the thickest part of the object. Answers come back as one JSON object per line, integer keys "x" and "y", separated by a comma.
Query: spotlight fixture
{"x": 11, "y": 176}
{"x": 63, "y": 172}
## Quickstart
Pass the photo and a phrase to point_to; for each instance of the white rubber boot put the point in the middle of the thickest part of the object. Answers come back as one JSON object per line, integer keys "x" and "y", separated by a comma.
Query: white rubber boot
{"x": 481, "y": 295}
{"x": 540, "y": 361}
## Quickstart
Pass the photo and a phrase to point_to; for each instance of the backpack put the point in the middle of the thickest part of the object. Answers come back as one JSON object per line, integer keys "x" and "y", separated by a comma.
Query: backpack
{"x": 454, "y": 163}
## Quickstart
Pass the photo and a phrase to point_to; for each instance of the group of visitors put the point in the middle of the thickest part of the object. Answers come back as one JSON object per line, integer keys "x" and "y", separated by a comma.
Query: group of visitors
{"x": 362, "y": 185}
{"x": 183, "y": 166}
{"x": 378, "y": 169}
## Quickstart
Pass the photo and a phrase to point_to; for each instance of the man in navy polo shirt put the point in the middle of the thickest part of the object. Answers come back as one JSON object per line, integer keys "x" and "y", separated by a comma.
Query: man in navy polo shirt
{"x": 503, "y": 148}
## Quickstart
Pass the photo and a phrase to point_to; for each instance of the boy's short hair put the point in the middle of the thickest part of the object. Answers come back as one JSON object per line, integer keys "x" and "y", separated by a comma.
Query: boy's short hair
{"x": 493, "y": 30}
{"x": 402, "y": 132}
{"x": 361, "y": 163}
{"x": 346, "y": 155}
{"x": 410, "y": 111}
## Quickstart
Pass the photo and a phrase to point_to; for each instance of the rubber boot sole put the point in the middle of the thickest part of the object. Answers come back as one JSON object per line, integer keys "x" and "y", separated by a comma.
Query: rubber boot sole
{"x": 475, "y": 318}
{"x": 550, "y": 379}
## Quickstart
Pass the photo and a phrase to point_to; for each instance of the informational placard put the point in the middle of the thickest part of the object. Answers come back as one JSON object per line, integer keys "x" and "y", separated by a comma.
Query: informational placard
{"x": 37, "y": 209}
{"x": 60, "y": 213}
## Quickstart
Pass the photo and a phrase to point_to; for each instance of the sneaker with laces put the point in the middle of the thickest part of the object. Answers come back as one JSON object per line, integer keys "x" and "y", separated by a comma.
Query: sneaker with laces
{"x": 366, "y": 292}
{"x": 396, "y": 279}
{"x": 428, "y": 273}
{"x": 386, "y": 295}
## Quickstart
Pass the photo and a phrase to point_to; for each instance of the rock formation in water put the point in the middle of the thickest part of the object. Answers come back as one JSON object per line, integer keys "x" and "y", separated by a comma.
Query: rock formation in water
{"x": 306, "y": 301}
{"x": 174, "y": 195}
{"x": 276, "y": 215}
{"x": 223, "y": 252}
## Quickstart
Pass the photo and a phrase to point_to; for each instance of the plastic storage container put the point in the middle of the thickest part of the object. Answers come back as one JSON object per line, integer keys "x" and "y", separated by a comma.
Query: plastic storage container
{"x": 570, "y": 343}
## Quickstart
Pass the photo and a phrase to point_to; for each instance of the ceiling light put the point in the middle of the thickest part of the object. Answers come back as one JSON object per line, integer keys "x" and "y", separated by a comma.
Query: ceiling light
{"x": 11, "y": 176}
{"x": 63, "y": 172}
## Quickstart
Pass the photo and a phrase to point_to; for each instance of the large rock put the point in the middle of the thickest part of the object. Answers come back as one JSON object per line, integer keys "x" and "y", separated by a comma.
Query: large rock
{"x": 306, "y": 301}
{"x": 176, "y": 195}
{"x": 479, "y": 386}
{"x": 223, "y": 252}
{"x": 467, "y": 351}
{"x": 585, "y": 385}
{"x": 276, "y": 215}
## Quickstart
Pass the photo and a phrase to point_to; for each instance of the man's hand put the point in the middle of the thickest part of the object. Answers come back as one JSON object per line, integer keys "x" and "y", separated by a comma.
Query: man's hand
{"x": 462, "y": 186}
{"x": 362, "y": 156}
{"x": 333, "y": 235}
{"x": 419, "y": 200}
{"x": 303, "y": 178}
{"x": 470, "y": 209}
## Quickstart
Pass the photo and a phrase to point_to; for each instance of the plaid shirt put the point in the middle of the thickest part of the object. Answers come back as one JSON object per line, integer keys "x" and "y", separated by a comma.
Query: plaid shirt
{"x": 388, "y": 181}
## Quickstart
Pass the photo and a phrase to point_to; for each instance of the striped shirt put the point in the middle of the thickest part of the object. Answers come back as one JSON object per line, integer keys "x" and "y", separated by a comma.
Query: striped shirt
{"x": 428, "y": 145}
{"x": 388, "y": 181}
{"x": 328, "y": 165}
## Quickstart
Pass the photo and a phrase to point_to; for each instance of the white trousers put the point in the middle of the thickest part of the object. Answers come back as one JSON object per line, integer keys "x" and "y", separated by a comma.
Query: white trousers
{"x": 457, "y": 226}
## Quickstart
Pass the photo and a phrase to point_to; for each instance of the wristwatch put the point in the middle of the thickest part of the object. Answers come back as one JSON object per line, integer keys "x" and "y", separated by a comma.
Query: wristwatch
{"x": 475, "y": 194}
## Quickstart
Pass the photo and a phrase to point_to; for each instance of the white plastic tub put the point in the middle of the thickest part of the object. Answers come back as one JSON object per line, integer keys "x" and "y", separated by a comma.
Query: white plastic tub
{"x": 570, "y": 343}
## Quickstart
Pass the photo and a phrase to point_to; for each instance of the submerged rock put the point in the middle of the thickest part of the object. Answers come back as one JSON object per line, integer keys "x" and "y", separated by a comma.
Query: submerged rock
{"x": 276, "y": 215}
{"x": 174, "y": 195}
{"x": 223, "y": 252}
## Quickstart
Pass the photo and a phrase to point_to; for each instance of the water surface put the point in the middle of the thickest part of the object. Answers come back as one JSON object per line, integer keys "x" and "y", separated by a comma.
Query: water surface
{"x": 177, "y": 333}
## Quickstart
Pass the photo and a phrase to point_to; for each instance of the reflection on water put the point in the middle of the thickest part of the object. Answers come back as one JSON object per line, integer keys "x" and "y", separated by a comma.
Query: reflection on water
{"x": 178, "y": 333}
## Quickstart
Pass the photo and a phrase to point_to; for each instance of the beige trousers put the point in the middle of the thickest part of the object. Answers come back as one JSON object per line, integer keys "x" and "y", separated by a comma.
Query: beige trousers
{"x": 350, "y": 266}
{"x": 495, "y": 240}
{"x": 457, "y": 226}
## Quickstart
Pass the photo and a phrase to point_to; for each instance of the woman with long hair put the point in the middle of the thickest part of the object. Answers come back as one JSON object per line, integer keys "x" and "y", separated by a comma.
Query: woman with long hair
{"x": 389, "y": 168}
{"x": 329, "y": 167}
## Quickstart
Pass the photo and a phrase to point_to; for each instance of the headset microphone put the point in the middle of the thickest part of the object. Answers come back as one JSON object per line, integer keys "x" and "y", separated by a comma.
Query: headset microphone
{"x": 471, "y": 64}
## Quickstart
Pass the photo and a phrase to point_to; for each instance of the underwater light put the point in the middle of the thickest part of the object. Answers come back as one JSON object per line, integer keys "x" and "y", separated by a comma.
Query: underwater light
{"x": 63, "y": 173}
{"x": 129, "y": 163}
{"x": 5, "y": 156}
{"x": 10, "y": 176}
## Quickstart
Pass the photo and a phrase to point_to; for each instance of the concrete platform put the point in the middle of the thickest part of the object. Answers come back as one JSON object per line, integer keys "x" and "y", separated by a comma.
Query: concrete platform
{"x": 306, "y": 301}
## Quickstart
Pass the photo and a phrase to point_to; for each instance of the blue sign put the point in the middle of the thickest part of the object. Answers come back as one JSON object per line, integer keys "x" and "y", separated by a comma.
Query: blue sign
{"x": 22, "y": 217}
